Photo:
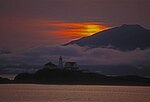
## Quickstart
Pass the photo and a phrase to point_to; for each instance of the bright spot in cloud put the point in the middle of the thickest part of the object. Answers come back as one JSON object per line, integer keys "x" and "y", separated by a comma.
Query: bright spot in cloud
{"x": 76, "y": 30}
{"x": 92, "y": 29}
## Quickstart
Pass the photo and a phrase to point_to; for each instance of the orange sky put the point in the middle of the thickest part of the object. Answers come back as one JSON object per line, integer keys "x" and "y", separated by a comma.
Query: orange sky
{"x": 29, "y": 23}
{"x": 21, "y": 33}
{"x": 78, "y": 29}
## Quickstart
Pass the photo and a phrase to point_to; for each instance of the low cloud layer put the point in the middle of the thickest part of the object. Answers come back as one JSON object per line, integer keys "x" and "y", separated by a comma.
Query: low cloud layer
{"x": 4, "y": 51}
{"x": 82, "y": 55}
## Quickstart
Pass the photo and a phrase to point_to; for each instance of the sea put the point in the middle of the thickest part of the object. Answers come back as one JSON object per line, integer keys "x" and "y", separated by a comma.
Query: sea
{"x": 73, "y": 93}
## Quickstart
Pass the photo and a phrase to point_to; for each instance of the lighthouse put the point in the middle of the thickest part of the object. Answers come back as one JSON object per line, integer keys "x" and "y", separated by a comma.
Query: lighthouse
{"x": 60, "y": 65}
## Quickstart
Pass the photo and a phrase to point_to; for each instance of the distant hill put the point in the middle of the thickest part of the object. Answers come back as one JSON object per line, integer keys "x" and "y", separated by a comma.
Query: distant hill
{"x": 55, "y": 75}
{"x": 60, "y": 76}
{"x": 77, "y": 77}
{"x": 118, "y": 70}
{"x": 69, "y": 76}
{"x": 125, "y": 37}
{"x": 4, "y": 80}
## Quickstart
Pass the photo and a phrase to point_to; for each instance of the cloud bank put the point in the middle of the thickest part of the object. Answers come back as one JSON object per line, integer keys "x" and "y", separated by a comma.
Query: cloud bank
{"x": 83, "y": 56}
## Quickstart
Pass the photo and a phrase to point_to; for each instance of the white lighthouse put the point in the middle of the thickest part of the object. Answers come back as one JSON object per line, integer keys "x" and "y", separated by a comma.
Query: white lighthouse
{"x": 60, "y": 65}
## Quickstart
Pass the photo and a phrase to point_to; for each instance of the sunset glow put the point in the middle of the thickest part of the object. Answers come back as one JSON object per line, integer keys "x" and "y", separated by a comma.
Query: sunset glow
{"x": 92, "y": 29}
{"x": 77, "y": 29}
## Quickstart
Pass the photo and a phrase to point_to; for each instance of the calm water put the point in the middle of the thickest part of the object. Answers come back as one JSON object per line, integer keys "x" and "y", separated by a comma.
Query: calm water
{"x": 73, "y": 93}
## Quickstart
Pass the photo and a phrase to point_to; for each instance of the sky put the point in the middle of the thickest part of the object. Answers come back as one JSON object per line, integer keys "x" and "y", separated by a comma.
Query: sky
{"x": 27, "y": 24}
{"x": 31, "y": 31}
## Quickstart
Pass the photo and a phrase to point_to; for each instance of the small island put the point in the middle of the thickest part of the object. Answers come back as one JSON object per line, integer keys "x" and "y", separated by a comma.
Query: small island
{"x": 71, "y": 74}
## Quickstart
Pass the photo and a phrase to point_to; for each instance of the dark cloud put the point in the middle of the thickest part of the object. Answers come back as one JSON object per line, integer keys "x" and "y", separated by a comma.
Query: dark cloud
{"x": 84, "y": 56}
{"x": 112, "y": 12}
{"x": 5, "y": 51}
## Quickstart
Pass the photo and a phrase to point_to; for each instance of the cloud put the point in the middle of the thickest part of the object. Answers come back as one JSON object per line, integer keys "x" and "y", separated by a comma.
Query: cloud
{"x": 20, "y": 33}
{"x": 4, "y": 51}
{"x": 77, "y": 29}
{"x": 105, "y": 56}
{"x": 84, "y": 55}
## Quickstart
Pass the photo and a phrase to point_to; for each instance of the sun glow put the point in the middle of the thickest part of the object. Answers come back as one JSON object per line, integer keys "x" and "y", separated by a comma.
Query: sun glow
{"x": 92, "y": 29}
{"x": 77, "y": 30}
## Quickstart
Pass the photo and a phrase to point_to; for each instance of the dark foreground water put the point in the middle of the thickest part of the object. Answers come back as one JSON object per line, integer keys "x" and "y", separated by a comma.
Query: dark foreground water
{"x": 72, "y": 93}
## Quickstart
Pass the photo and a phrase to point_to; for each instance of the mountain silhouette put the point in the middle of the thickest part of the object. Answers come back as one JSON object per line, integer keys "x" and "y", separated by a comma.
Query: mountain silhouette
{"x": 125, "y": 37}
{"x": 77, "y": 77}
{"x": 51, "y": 74}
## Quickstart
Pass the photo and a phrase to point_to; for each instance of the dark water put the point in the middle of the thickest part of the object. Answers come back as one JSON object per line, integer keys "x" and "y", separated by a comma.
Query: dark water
{"x": 72, "y": 93}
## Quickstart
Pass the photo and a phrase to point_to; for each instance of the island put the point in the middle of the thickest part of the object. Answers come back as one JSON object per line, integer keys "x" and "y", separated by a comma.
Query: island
{"x": 71, "y": 74}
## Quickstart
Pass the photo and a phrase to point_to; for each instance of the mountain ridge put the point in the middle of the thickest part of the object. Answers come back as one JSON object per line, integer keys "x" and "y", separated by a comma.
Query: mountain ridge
{"x": 124, "y": 37}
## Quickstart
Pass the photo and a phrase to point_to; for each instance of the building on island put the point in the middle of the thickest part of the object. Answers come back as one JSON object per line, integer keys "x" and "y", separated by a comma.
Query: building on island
{"x": 67, "y": 65}
{"x": 71, "y": 65}
{"x": 60, "y": 64}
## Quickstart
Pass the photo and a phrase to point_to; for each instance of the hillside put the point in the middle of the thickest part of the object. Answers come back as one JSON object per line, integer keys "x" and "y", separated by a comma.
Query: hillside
{"x": 125, "y": 37}
{"x": 70, "y": 76}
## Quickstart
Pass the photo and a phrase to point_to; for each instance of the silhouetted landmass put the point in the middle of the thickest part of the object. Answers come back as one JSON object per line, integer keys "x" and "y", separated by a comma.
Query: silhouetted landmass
{"x": 60, "y": 76}
{"x": 125, "y": 37}
{"x": 52, "y": 74}
{"x": 65, "y": 76}
{"x": 119, "y": 70}
{"x": 4, "y": 80}
{"x": 77, "y": 77}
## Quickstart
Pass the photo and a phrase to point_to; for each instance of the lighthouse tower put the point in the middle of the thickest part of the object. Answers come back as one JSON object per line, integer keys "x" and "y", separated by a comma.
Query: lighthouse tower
{"x": 60, "y": 65}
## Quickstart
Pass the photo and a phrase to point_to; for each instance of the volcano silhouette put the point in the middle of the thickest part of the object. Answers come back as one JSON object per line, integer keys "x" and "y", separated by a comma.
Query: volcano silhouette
{"x": 125, "y": 37}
